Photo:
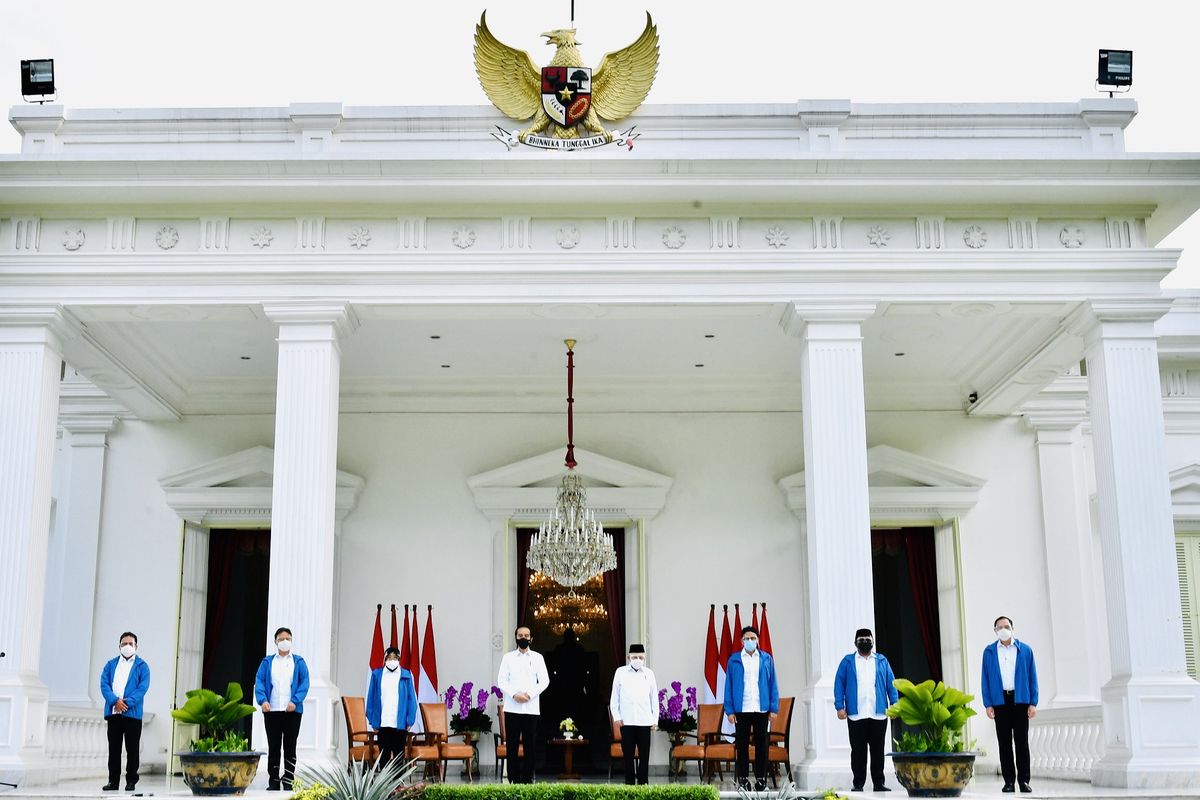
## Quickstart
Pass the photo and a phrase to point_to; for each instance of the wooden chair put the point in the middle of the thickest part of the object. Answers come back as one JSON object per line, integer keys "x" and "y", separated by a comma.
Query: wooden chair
{"x": 361, "y": 744}
{"x": 437, "y": 728}
{"x": 708, "y": 722}
{"x": 780, "y": 741}
{"x": 718, "y": 748}
{"x": 615, "y": 753}
{"x": 501, "y": 742}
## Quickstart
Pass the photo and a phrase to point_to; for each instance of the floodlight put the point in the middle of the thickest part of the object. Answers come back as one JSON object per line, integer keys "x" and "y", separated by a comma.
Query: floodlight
{"x": 1115, "y": 70}
{"x": 37, "y": 79}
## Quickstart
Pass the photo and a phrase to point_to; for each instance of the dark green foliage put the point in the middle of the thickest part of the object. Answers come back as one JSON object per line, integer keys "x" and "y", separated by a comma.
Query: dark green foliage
{"x": 215, "y": 715}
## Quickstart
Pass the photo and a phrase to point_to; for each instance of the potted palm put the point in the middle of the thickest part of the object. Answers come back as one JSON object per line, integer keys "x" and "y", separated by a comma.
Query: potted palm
{"x": 932, "y": 760}
{"x": 220, "y": 761}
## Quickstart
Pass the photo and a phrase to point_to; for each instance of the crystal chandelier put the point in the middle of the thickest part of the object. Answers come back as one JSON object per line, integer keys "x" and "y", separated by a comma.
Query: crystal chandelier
{"x": 571, "y": 547}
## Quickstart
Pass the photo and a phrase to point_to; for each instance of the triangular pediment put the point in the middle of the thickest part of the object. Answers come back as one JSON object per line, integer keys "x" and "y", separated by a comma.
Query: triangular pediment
{"x": 904, "y": 485}
{"x": 236, "y": 489}
{"x": 1185, "y": 491}
{"x": 526, "y": 489}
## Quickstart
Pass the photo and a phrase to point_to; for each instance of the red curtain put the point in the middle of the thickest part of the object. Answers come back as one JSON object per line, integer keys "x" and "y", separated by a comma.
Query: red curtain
{"x": 223, "y": 549}
{"x": 614, "y": 597}
{"x": 922, "y": 574}
{"x": 524, "y": 538}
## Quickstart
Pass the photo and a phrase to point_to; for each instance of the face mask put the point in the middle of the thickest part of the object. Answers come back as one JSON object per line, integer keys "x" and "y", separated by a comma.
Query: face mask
{"x": 284, "y": 645}
{"x": 637, "y": 663}
{"x": 523, "y": 644}
{"x": 751, "y": 645}
{"x": 1004, "y": 634}
{"x": 393, "y": 665}
{"x": 864, "y": 646}
{"x": 128, "y": 650}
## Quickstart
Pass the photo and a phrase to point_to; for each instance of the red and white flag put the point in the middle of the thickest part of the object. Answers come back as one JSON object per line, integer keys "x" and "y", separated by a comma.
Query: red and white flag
{"x": 413, "y": 664}
{"x": 712, "y": 657}
{"x": 376, "y": 661}
{"x": 727, "y": 650}
{"x": 395, "y": 642}
{"x": 405, "y": 647}
{"x": 764, "y": 635}
{"x": 429, "y": 679}
{"x": 737, "y": 622}
{"x": 754, "y": 617}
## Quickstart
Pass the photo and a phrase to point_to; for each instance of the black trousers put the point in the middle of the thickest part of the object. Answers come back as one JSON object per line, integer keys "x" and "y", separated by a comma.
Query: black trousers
{"x": 283, "y": 728}
{"x": 1012, "y": 728}
{"x": 756, "y": 725}
{"x": 391, "y": 745}
{"x": 128, "y": 730}
{"x": 636, "y": 737}
{"x": 520, "y": 729}
{"x": 864, "y": 734}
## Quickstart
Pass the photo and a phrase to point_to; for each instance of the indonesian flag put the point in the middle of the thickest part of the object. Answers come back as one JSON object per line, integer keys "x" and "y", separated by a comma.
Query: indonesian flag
{"x": 764, "y": 635}
{"x": 754, "y": 616}
{"x": 413, "y": 665}
{"x": 737, "y": 621}
{"x": 727, "y": 650}
{"x": 377, "y": 641}
{"x": 405, "y": 647}
{"x": 712, "y": 656}
{"x": 429, "y": 679}
{"x": 395, "y": 639}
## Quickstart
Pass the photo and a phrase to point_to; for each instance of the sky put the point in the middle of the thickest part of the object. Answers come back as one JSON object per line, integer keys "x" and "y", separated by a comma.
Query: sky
{"x": 171, "y": 53}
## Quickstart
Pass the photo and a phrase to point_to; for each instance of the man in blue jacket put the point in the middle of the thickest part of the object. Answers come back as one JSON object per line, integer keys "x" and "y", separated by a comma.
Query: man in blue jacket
{"x": 280, "y": 688}
{"x": 751, "y": 702}
{"x": 123, "y": 683}
{"x": 1010, "y": 695}
{"x": 391, "y": 706}
{"x": 862, "y": 690}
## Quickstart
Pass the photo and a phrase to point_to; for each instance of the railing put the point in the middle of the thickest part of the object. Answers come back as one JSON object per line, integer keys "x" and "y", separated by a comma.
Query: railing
{"x": 77, "y": 741}
{"x": 1064, "y": 743}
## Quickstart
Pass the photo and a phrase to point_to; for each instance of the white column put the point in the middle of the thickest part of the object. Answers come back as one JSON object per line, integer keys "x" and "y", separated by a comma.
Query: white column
{"x": 1066, "y": 532}
{"x": 837, "y": 525}
{"x": 1151, "y": 707}
{"x": 303, "y": 504}
{"x": 67, "y": 657}
{"x": 30, "y": 366}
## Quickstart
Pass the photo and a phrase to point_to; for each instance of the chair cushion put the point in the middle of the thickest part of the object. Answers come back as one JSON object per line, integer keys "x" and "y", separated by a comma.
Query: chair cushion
{"x": 687, "y": 752}
{"x": 424, "y": 752}
{"x": 457, "y": 751}
{"x": 719, "y": 752}
{"x": 777, "y": 754}
{"x": 615, "y": 751}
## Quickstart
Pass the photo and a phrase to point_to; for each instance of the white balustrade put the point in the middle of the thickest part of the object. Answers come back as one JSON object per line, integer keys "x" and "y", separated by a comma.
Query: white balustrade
{"x": 1065, "y": 743}
{"x": 77, "y": 742}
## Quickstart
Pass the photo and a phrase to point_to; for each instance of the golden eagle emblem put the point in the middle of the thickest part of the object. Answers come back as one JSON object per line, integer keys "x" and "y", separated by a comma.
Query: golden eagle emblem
{"x": 566, "y": 97}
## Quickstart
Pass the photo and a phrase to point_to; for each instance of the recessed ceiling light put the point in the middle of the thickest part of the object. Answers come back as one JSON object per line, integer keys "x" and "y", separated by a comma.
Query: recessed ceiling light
{"x": 710, "y": 336}
{"x": 245, "y": 358}
{"x": 899, "y": 354}
{"x": 699, "y": 365}
{"x": 434, "y": 336}
{"x": 445, "y": 366}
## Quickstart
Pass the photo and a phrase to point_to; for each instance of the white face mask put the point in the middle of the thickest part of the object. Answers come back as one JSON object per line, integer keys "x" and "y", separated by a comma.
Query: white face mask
{"x": 637, "y": 663}
{"x": 127, "y": 650}
{"x": 393, "y": 665}
{"x": 750, "y": 644}
{"x": 1004, "y": 634}
{"x": 284, "y": 645}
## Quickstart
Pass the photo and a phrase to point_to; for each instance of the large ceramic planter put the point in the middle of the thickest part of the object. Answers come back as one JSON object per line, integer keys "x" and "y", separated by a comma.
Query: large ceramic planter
{"x": 219, "y": 773}
{"x": 934, "y": 774}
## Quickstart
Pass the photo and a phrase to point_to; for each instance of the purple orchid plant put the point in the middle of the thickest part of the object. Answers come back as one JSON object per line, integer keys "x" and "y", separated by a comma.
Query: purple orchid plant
{"x": 677, "y": 712}
{"x": 468, "y": 709}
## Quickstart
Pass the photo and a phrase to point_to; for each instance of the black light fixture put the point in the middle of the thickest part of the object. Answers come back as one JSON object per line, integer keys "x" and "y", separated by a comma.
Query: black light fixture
{"x": 37, "y": 79}
{"x": 1115, "y": 70}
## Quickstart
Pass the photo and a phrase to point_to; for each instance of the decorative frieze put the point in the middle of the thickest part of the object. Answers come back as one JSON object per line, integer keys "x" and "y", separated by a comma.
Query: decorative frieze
{"x": 214, "y": 234}
{"x": 121, "y": 234}
{"x": 931, "y": 233}
{"x": 1122, "y": 232}
{"x": 1022, "y": 233}
{"x": 723, "y": 233}
{"x": 515, "y": 233}
{"x": 25, "y": 233}
{"x": 827, "y": 233}
{"x": 620, "y": 233}
{"x": 310, "y": 233}
{"x": 412, "y": 233}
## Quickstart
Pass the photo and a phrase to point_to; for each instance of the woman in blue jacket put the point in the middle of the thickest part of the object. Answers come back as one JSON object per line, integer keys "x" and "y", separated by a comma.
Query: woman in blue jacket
{"x": 124, "y": 682}
{"x": 280, "y": 688}
{"x": 391, "y": 706}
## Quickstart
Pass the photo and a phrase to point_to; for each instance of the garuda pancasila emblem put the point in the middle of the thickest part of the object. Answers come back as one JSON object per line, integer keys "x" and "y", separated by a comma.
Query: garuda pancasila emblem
{"x": 565, "y": 97}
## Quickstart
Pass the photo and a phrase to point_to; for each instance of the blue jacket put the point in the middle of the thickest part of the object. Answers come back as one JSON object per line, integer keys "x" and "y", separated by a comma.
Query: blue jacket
{"x": 735, "y": 676}
{"x": 406, "y": 707}
{"x": 262, "y": 683}
{"x": 845, "y": 685}
{"x": 1025, "y": 682}
{"x": 135, "y": 688}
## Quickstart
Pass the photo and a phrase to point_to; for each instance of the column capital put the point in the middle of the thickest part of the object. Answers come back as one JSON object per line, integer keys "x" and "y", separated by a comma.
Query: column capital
{"x": 340, "y": 315}
{"x": 88, "y": 430}
{"x": 799, "y": 316}
{"x": 38, "y": 324}
{"x": 1135, "y": 318}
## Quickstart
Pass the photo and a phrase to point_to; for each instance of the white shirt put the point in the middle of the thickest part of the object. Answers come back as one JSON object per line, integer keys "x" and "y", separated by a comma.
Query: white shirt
{"x": 522, "y": 672}
{"x": 1007, "y": 654}
{"x": 389, "y": 697}
{"x": 750, "y": 698}
{"x": 282, "y": 669}
{"x": 864, "y": 673}
{"x": 121, "y": 677}
{"x": 634, "y": 696}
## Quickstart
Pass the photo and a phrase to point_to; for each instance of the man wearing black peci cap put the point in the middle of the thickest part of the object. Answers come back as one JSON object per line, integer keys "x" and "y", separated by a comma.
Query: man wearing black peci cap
{"x": 634, "y": 707}
{"x": 862, "y": 691}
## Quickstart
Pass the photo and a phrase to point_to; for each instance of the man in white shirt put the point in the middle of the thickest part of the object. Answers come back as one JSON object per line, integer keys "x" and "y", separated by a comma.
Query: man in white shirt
{"x": 124, "y": 683}
{"x": 634, "y": 707}
{"x": 522, "y": 679}
{"x": 863, "y": 688}
{"x": 751, "y": 704}
{"x": 1010, "y": 697}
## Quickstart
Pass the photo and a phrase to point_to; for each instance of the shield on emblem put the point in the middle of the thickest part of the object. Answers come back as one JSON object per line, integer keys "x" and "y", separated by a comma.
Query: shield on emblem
{"x": 567, "y": 93}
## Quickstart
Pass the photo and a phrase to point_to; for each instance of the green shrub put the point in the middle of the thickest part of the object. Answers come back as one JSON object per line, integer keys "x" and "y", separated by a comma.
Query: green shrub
{"x": 938, "y": 712}
{"x": 569, "y": 791}
{"x": 216, "y": 716}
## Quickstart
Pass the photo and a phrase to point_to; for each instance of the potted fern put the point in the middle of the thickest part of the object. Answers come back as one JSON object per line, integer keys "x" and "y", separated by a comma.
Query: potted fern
{"x": 933, "y": 760}
{"x": 220, "y": 761}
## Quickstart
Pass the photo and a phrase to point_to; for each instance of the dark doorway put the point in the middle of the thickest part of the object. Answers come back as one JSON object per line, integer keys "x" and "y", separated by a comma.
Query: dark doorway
{"x": 583, "y": 642}
{"x": 235, "y": 630}
{"x": 903, "y": 564}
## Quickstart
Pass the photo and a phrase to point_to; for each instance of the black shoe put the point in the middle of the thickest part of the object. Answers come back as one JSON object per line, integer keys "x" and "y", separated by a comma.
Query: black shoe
{"x": 111, "y": 786}
{"x": 1025, "y": 787}
{"x": 880, "y": 788}
{"x": 129, "y": 787}
{"x": 1008, "y": 787}
{"x": 273, "y": 786}
{"x": 856, "y": 788}
{"x": 287, "y": 786}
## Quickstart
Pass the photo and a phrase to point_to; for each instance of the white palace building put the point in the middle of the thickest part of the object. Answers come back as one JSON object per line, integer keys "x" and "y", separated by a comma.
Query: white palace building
{"x": 906, "y": 367}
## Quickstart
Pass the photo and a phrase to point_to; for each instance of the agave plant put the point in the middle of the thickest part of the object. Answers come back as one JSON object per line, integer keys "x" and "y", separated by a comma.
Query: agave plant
{"x": 216, "y": 716}
{"x": 937, "y": 711}
{"x": 787, "y": 791}
{"x": 356, "y": 782}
